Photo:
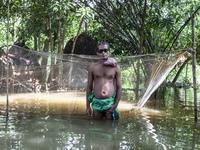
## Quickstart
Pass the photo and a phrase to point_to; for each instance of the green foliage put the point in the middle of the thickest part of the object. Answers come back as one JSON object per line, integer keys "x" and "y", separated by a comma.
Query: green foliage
{"x": 186, "y": 76}
{"x": 117, "y": 22}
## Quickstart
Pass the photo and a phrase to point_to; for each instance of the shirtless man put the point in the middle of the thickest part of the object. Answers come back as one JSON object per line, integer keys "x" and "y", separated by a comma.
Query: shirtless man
{"x": 104, "y": 85}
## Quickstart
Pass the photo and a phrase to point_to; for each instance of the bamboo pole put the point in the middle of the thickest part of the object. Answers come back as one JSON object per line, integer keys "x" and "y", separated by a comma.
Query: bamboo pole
{"x": 7, "y": 59}
{"x": 194, "y": 68}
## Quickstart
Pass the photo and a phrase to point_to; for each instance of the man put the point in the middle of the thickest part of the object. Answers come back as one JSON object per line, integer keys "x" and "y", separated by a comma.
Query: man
{"x": 104, "y": 85}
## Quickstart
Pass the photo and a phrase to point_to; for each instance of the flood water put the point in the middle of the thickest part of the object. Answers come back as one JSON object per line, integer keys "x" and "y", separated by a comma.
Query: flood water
{"x": 57, "y": 121}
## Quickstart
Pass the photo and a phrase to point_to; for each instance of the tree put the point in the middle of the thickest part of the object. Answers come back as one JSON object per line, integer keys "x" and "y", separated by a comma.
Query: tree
{"x": 124, "y": 21}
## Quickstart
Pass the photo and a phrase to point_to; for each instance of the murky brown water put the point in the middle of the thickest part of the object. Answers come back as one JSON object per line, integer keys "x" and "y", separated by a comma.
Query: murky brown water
{"x": 58, "y": 121}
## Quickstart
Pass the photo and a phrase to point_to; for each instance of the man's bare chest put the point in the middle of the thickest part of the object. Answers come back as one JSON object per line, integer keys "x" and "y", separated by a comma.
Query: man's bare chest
{"x": 104, "y": 72}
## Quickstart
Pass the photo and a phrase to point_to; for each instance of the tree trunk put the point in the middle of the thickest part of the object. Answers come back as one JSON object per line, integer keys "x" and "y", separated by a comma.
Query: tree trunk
{"x": 179, "y": 71}
{"x": 59, "y": 27}
{"x": 140, "y": 51}
{"x": 39, "y": 47}
{"x": 85, "y": 21}
{"x": 86, "y": 27}
{"x": 142, "y": 28}
{"x": 13, "y": 35}
{"x": 74, "y": 43}
{"x": 35, "y": 42}
{"x": 48, "y": 43}
{"x": 72, "y": 52}
{"x": 194, "y": 69}
{"x": 46, "y": 46}
{"x": 49, "y": 34}
{"x": 64, "y": 32}
{"x": 60, "y": 67}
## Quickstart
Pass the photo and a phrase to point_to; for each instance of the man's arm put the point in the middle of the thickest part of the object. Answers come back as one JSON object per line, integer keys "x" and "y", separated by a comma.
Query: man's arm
{"x": 89, "y": 90}
{"x": 118, "y": 86}
{"x": 118, "y": 89}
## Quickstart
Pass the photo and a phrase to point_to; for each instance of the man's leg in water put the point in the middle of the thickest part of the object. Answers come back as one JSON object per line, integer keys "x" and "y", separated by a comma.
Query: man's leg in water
{"x": 101, "y": 114}
{"x": 108, "y": 116}
{"x": 98, "y": 114}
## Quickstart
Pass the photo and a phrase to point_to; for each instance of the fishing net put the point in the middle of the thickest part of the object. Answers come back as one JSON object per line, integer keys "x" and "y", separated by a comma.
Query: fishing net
{"x": 29, "y": 71}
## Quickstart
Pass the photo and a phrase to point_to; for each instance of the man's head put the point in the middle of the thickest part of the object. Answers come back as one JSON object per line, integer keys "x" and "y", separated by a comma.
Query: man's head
{"x": 103, "y": 50}
{"x": 103, "y": 44}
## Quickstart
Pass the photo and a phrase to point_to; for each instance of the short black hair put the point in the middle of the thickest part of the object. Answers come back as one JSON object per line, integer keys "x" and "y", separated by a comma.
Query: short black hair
{"x": 103, "y": 43}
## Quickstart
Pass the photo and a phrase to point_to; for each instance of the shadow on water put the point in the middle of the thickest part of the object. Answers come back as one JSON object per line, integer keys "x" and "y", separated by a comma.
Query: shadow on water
{"x": 166, "y": 122}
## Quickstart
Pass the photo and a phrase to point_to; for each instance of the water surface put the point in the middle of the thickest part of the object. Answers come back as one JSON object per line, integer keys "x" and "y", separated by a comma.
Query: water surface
{"x": 50, "y": 121}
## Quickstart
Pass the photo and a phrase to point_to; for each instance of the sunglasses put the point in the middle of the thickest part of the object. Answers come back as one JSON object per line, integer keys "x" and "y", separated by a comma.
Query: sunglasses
{"x": 102, "y": 50}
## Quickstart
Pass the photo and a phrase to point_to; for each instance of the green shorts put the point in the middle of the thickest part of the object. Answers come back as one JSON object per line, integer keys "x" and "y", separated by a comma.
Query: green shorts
{"x": 101, "y": 104}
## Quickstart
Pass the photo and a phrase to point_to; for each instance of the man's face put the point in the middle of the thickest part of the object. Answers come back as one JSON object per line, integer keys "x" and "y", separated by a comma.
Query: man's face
{"x": 103, "y": 51}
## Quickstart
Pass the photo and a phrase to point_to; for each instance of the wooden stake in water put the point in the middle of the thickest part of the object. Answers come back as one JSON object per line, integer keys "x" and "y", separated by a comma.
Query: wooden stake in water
{"x": 7, "y": 57}
{"x": 194, "y": 69}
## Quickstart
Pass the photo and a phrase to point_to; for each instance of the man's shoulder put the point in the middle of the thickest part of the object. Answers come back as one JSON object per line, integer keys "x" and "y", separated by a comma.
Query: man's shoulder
{"x": 118, "y": 67}
{"x": 93, "y": 65}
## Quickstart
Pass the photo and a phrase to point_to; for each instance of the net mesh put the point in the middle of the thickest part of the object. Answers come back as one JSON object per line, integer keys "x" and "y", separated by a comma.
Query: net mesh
{"x": 35, "y": 71}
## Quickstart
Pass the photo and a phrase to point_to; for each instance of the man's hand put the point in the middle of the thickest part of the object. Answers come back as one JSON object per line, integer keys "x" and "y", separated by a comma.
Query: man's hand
{"x": 89, "y": 112}
{"x": 111, "y": 109}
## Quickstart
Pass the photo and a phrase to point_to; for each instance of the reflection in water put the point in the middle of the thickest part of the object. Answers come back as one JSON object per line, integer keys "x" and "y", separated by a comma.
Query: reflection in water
{"x": 6, "y": 128}
{"x": 194, "y": 135}
{"x": 53, "y": 132}
{"x": 152, "y": 130}
{"x": 60, "y": 132}
{"x": 54, "y": 123}
{"x": 103, "y": 135}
